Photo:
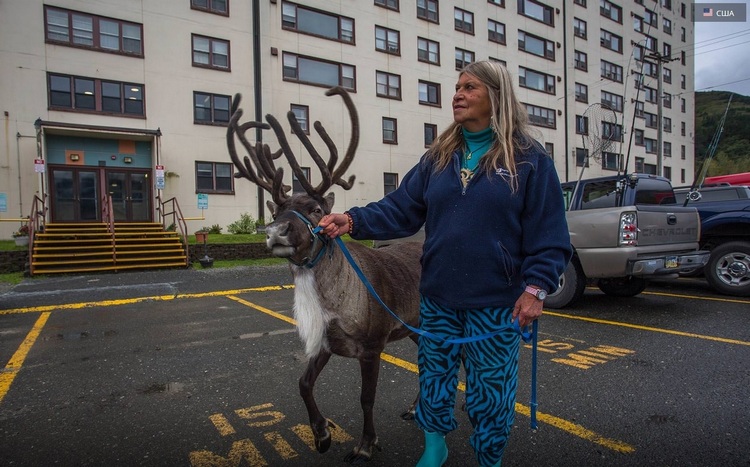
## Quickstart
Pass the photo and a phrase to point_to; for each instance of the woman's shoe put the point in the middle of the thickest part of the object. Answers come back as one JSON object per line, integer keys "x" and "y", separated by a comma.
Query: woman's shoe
{"x": 435, "y": 450}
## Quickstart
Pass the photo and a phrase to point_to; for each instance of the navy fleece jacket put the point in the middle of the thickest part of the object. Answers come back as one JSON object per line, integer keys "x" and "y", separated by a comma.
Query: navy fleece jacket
{"x": 483, "y": 244}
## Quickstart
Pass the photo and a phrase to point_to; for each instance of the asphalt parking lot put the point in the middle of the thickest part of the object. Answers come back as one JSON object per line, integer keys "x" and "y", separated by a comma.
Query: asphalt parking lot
{"x": 200, "y": 368}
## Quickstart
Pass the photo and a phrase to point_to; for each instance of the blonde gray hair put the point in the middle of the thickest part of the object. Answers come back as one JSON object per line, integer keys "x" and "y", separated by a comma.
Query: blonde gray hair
{"x": 509, "y": 122}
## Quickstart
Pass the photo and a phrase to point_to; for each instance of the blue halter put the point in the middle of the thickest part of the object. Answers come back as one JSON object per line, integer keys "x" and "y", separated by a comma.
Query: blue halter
{"x": 315, "y": 240}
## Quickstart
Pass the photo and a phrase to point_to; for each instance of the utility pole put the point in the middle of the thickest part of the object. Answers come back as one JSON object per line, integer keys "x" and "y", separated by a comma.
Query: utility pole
{"x": 660, "y": 59}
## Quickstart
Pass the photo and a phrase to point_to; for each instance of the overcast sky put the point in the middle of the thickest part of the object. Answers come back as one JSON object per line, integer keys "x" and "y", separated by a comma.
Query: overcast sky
{"x": 722, "y": 55}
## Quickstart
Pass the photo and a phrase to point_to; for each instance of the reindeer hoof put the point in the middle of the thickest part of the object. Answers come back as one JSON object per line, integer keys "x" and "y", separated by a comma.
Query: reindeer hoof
{"x": 409, "y": 413}
{"x": 323, "y": 438}
{"x": 362, "y": 453}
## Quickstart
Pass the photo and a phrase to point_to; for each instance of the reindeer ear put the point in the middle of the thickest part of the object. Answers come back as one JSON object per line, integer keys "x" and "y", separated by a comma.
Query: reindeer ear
{"x": 273, "y": 207}
{"x": 329, "y": 199}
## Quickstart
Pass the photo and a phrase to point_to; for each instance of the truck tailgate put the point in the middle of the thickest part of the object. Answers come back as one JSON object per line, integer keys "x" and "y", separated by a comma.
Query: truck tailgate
{"x": 663, "y": 225}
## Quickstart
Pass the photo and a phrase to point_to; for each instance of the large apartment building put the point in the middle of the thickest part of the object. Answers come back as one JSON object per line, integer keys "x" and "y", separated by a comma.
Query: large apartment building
{"x": 132, "y": 99}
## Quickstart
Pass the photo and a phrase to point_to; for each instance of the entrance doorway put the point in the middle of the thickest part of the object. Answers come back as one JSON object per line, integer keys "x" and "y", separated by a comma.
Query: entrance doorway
{"x": 77, "y": 194}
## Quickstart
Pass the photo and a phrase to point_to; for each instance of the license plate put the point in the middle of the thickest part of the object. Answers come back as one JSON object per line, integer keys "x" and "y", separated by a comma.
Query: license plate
{"x": 672, "y": 262}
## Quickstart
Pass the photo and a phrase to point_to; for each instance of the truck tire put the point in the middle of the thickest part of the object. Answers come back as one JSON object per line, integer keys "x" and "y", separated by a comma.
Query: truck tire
{"x": 572, "y": 285}
{"x": 728, "y": 269}
{"x": 628, "y": 286}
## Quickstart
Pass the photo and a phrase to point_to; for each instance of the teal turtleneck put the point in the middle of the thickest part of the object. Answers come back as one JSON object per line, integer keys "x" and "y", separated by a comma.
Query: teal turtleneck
{"x": 477, "y": 145}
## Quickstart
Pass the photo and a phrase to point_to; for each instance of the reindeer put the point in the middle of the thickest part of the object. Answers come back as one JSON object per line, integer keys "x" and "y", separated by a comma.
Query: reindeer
{"x": 334, "y": 313}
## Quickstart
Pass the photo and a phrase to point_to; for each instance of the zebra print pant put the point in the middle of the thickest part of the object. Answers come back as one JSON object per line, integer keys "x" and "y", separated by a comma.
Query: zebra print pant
{"x": 491, "y": 375}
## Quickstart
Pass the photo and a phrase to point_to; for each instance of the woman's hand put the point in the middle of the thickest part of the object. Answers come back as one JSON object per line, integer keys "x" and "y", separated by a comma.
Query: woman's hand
{"x": 527, "y": 309}
{"x": 334, "y": 224}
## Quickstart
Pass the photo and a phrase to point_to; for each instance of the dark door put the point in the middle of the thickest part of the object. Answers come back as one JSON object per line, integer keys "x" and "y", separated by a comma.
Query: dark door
{"x": 75, "y": 195}
{"x": 131, "y": 195}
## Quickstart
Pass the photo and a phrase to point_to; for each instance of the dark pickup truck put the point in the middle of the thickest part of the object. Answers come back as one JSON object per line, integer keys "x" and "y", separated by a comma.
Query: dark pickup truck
{"x": 725, "y": 231}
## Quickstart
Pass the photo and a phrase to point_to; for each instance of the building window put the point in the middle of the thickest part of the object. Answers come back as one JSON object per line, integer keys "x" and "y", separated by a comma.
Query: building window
{"x": 610, "y": 41}
{"x": 302, "y": 115}
{"x": 428, "y": 51}
{"x": 209, "y": 52}
{"x": 317, "y": 23}
{"x": 667, "y": 125}
{"x": 463, "y": 21}
{"x": 650, "y": 94}
{"x": 429, "y": 93}
{"x": 428, "y": 10}
{"x": 666, "y": 25}
{"x": 211, "y": 109}
{"x": 667, "y": 75}
{"x": 682, "y": 128}
{"x": 390, "y": 131}
{"x": 463, "y": 58}
{"x": 582, "y": 93}
{"x": 613, "y": 101}
{"x": 95, "y": 95}
{"x": 387, "y": 40}
{"x": 498, "y": 61}
{"x": 650, "y": 69}
{"x": 651, "y": 18}
{"x": 213, "y": 177}
{"x": 388, "y": 85}
{"x": 610, "y": 10}
{"x": 296, "y": 184}
{"x": 611, "y": 71}
{"x": 316, "y": 72}
{"x": 580, "y": 2}
{"x": 639, "y": 109}
{"x": 683, "y": 152}
{"x": 541, "y": 116}
{"x": 639, "y": 137}
{"x": 683, "y": 33}
{"x": 430, "y": 133}
{"x": 610, "y": 161}
{"x": 650, "y": 43}
{"x": 536, "y": 80}
{"x": 683, "y": 105}
{"x": 683, "y": 81}
{"x": 390, "y": 182}
{"x": 98, "y": 33}
{"x": 637, "y": 23}
{"x": 651, "y": 120}
{"x": 582, "y": 125}
{"x": 650, "y": 145}
{"x": 390, "y": 4}
{"x": 581, "y": 60}
{"x": 582, "y": 157}
{"x": 666, "y": 49}
{"x": 220, "y": 7}
{"x": 495, "y": 31}
{"x": 550, "y": 148}
{"x": 667, "y": 100}
{"x": 611, "y": 131}
{"x": 579, "y": 28}
{"x": 536, "y": 45}
{"x": 536, "y": 10}
{"x": 639, "y": 163}
{"x": 500, "y": 3}
{"x": 667, "y": 149}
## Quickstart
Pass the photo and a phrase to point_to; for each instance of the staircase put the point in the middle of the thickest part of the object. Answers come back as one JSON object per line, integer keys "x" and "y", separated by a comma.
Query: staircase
{"x": 91, "y": 247}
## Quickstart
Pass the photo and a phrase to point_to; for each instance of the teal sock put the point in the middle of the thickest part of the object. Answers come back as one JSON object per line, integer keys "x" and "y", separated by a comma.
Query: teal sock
{"x": 435, "y": 450}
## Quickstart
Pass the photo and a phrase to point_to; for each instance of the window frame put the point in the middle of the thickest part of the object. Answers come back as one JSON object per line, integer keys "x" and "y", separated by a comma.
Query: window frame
{"x": 549, "y": 46}
{"x": 615, "y": 75}
{"x": 214, "y": 184}
{"x": 461, "y": 61}
{"x": 211, "y": 62}
{"x": 393, "y": 131}
{"x": 501, "y": 37}
{"x": 386, "y": 41}
{"x": 97, "y": 97}
{"x": 388, "y": 4}
{"x": 430, "y": 129}
{"x": 582, "y": 65}
{"x": 550, "y": 86}
{"x": 393, "y": 186}
{"x": 581, "y": 96}
{"x": 606, "y": 9}
{"x": 541, "y": 116}
{"x": 96, "y": 32}
{"x": 429, "y": 86}
{"x": 211, "y": 109}
{"x": 548, "y": 16}
{"x": 340, "y": 20}
{"x": 460, "y": 24}
{"x": 341, "y": 68}
{"x": 580, "y": 28}
{"x": 606, "y": 39}
{"x": 387, "y": 94}
{"x": 209, "y": 8}
{"x": 424, "y": 12}
{"x": 304, "y": 122}
{"x": 428, "y": 43}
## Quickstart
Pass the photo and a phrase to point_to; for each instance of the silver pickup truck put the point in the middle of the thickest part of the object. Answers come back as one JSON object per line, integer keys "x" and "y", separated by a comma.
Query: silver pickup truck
{"x": 625, "y": 230}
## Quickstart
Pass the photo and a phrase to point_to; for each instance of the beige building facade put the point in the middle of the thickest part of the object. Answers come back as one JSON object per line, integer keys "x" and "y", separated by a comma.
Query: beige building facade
{"x": 131, "y": 99}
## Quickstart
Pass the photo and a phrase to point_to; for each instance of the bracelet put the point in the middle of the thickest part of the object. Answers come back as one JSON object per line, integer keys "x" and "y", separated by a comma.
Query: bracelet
{"x": 350, "y": 221}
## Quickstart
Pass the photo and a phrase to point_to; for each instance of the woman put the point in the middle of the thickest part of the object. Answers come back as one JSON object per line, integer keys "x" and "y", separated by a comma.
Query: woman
{"x": 496, "y": 242}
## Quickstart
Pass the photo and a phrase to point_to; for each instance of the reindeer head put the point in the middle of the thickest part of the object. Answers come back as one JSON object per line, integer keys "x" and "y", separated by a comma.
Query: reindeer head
{"x": 290, "y": 234}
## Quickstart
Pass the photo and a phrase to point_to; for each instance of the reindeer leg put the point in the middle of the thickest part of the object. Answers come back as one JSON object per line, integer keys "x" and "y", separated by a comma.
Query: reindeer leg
{"x": 408, "y": 414}
{"x": 369, "y": 365}
{"x": 318, "y": 422}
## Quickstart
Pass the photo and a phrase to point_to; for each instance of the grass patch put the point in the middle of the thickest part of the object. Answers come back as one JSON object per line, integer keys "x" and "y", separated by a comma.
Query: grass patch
{"x": 12, "y": 278}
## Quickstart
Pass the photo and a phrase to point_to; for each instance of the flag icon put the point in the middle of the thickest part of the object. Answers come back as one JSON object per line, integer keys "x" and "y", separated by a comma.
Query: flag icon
{"x": 708, "y": 12}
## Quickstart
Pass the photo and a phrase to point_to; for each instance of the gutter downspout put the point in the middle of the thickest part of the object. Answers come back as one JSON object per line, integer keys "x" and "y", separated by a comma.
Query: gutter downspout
{"x": 257, "y": 85}
{"x": 565, "y": 85}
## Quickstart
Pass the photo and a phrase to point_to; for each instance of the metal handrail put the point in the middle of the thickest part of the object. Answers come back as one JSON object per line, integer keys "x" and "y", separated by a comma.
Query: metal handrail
{"x": 177, "y": 219}
{"x": 36, "y": 224}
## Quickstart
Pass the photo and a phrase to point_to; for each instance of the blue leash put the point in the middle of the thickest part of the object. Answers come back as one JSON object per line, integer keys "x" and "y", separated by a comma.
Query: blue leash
{"x": 526, "y": 336}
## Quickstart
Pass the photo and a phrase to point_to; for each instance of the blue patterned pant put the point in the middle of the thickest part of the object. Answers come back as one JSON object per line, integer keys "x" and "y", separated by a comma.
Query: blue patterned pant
{"x": 491, "y": 375}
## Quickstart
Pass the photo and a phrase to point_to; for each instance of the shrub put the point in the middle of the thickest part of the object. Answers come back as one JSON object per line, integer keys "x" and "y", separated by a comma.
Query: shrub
{"x": 244, "y": 225}
{"x": 215, "y": 229}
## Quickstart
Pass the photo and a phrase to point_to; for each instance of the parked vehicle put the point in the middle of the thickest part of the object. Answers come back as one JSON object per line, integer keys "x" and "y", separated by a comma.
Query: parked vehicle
{"x": 625, "y": 229}
{"x": 725, "y": 231}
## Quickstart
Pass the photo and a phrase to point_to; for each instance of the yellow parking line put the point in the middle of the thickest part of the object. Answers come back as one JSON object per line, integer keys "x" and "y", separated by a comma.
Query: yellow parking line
{"x": 562, "y": 424}
{"x": 10, "y": 371}
{"x": 648, "y": 328}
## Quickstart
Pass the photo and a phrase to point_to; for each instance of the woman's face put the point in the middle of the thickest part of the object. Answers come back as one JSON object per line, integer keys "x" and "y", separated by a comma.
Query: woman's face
{"x": 471, "y": 104}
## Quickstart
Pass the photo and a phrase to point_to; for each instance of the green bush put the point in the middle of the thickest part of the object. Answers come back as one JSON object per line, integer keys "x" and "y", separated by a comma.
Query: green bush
{"x": 245, "y": 225}
{"x": 214, "y": 229}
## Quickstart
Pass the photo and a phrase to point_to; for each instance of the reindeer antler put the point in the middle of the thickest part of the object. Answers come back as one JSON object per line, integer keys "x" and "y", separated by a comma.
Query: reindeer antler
{"x": 268, "y": 176}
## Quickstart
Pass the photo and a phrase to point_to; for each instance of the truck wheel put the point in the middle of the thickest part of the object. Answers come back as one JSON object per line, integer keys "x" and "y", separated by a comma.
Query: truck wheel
{"x": 572, "y": 285}
{"x": 628, "y": 286}
{"x": 728, "y": 269}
